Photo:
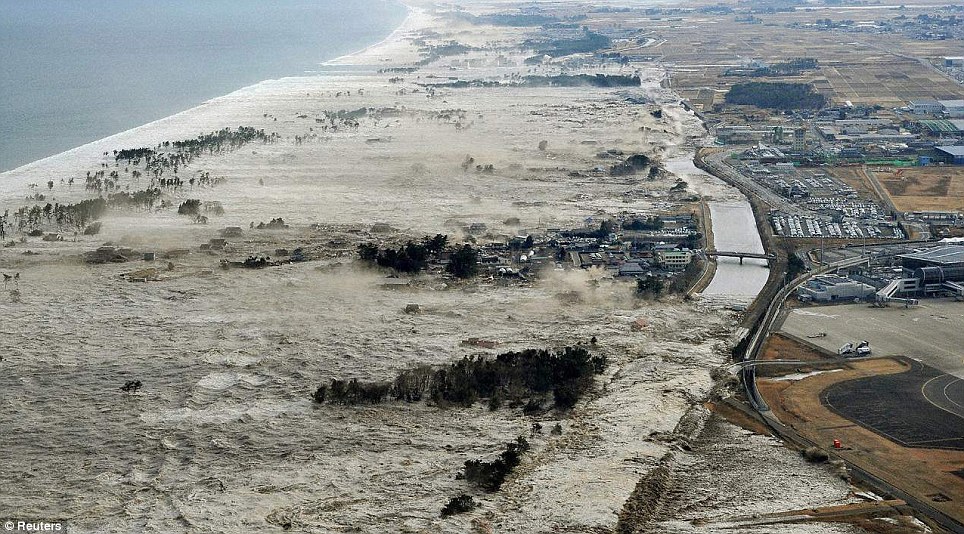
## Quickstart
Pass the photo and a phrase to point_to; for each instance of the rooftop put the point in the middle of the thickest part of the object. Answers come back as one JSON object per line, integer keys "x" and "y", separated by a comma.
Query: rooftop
{"x": 946, "y": 254}
{"x": 957, "y": 150}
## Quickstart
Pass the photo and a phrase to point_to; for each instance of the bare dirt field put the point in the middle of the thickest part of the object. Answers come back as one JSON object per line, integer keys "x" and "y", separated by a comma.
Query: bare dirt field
{"x": 925, "y": 188}
{"x": 857, "y": 178}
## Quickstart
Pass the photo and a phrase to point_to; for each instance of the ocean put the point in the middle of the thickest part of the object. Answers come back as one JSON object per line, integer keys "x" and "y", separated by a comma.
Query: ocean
{"x": 74, "y": 71}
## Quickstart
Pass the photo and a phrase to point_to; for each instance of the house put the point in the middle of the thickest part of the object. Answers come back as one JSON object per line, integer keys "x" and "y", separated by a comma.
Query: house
{"x": 631, "y": 269}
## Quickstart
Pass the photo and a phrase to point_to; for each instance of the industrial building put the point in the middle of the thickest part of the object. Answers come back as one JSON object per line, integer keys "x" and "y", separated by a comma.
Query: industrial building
{"x": 951, "y": 154}
{"x": 925, "y": 107}
{"x": 945, "y": 256}
{"x": 831, "y": 288}
{"x": 951, "y": 108}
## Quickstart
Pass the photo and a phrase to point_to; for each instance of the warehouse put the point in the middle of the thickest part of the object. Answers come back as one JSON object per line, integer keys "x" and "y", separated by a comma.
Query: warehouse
{"x": 832, "y": 288}
{"x": 951, "y": 154}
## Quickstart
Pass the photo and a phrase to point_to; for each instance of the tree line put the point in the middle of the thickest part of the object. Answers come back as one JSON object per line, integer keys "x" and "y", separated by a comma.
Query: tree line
{"x": 413, "y": 257}
{"x": 565, "y": 374}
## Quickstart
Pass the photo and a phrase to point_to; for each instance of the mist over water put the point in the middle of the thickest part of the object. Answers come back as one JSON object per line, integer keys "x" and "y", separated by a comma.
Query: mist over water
{"x": 74, "y": 71}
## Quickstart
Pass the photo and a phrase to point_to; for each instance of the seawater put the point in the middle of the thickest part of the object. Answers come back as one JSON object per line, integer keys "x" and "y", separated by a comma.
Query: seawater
{"x": 74, "y": 71}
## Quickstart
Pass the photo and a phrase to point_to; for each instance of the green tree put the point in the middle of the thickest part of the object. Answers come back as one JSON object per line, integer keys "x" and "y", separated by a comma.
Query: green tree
{"x": 650, "y": 285}
{"x": 464, "y": 262}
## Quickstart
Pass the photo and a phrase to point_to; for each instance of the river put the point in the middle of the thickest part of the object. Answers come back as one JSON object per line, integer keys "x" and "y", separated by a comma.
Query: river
{"x": 734, "y": 230}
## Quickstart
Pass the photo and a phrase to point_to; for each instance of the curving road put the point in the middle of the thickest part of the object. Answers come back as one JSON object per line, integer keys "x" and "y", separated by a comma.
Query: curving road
{"x": 946, "y": 392}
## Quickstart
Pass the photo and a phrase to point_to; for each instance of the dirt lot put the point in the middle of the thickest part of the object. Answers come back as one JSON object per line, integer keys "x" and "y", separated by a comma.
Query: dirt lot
{"x": 925, "y": 188}
{"x": 855, "y": 177}
{"x": 928, "y": 474}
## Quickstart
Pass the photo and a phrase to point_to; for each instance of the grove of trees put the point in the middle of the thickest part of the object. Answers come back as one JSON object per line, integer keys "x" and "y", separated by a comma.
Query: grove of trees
{"x": 776, "y": 95}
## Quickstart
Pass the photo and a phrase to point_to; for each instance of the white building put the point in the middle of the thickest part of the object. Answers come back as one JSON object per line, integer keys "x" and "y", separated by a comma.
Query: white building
{"x": 675, "y": 260}
{"x": 925, "y": 107}
{"x": 953, "y": 108}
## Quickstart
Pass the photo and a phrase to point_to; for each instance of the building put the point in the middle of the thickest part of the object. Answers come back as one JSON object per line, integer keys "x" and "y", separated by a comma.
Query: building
{"x": 799, "y": 139}
{"x": 944, "y": 127}
{"x": 674, "y": 260}
{"x": 951, "y": 154}
{"x": 932, "y": 271}
{"x": 943, "y": 256}
{"x": 925, "y": 107}
{"x": 956, "y": 61}
{"x": 952, "y": 108}
{"x": 831, "y": 288}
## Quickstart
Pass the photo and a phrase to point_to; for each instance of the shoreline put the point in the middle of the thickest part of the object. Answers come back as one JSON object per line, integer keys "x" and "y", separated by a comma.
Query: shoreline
{"x": 411, "y": 12}
{"x": 392, "y": 38}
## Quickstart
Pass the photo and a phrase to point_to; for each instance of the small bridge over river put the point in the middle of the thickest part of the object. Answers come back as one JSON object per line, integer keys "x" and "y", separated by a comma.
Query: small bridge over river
{"x": 741, "y": 255}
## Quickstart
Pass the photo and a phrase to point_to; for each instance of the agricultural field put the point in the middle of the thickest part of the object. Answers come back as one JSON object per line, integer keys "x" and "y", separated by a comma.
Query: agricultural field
{"x": 925, "y": 188}
{"x": 863, "y": 68}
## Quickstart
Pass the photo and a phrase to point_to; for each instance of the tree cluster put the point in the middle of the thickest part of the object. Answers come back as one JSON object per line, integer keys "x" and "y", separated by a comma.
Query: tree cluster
{"x": 190, "y": 206}
{"x": 410, "y": 258}
{"x": 587, "y": 43}
{"x": 582, "y": 80}
{"x": 648, "y": 224}
{"x": 464, "y": 262}
{"x": 776, "y": 95}
{"x": 489, "y": 476}
{"x": 650, "y": 286}
{"x": 565, "y": 373}
{"x": 459, "y": 505}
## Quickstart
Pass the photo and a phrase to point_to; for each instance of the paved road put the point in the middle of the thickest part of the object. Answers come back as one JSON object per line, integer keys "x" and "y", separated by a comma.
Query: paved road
{"x": 907, "y": 407}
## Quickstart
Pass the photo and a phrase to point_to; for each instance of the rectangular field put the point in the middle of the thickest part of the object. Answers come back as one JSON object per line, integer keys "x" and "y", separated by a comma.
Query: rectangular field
{"x": 925, "y": 188}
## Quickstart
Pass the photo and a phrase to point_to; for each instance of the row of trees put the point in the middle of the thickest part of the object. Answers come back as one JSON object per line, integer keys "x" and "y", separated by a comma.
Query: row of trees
{"x": 566, "y": 373}
{"x": 489, "y": 476}
{"x": 647, "y": 224}
{"x": 83, "y": 212}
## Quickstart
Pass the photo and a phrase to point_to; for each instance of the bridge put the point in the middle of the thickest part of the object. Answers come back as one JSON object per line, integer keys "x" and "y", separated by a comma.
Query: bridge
{"x": 741, "y": 255}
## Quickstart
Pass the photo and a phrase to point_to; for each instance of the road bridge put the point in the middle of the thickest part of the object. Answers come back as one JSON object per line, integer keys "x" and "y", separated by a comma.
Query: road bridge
{"x": 741, "y": 255}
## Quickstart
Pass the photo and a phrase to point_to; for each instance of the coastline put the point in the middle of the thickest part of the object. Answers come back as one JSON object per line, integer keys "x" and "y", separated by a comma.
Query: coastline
{"x": 8, "y": 178}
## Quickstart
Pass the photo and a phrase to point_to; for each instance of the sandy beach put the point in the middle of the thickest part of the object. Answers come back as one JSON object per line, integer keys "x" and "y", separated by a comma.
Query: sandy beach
{"x": 224, "y": 435}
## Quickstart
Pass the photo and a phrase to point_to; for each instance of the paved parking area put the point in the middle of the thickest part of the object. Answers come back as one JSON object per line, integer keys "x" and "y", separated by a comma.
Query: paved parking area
{"x": 932, "y": 332}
